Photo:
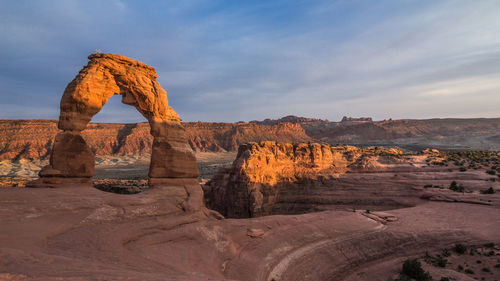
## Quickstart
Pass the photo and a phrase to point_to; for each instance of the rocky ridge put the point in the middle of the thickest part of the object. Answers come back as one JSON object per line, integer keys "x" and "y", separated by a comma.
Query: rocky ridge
{"x": 445, "y": 134}
{"x": 281, "y": 178}
{"x": 33, "y": 139}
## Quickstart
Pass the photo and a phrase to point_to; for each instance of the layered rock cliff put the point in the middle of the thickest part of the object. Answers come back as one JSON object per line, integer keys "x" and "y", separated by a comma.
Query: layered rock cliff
{"x": 269, "y": 178}
{"x": 281, "y": 178}
{"x": 445, "y": 134}
{"x": 32, "y": 139}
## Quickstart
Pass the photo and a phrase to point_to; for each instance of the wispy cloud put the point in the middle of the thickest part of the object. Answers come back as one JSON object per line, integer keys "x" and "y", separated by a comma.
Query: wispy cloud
{"x": 243, "y": 60}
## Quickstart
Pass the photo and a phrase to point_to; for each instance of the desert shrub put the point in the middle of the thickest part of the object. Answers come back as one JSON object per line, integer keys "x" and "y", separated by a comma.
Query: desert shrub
{"x": 462, "y": 169}
{"x": 485, "y": 269}
{"x": 478, "y": 262}
{"x": 497, "y": 265}
{"x": 488, "y": 191}
{"x": 460, "y": 267}
{"x": 469, "y": 271}
{"x": 428, "y": 186}
{"x": 446, "y": 253}
{"x": 489, "y": 245}
{"x": 413, "y": 269}
{"x": 460, "y": 248}
{"x": 491, "y": 172}
{"x": 455, "y": 187}
{"x": 440, "y": 261}
{"x": 444, "y": 279}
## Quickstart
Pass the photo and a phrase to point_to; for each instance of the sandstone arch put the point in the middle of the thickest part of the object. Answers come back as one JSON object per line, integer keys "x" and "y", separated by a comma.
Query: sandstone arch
{"x": 72, "y": 161}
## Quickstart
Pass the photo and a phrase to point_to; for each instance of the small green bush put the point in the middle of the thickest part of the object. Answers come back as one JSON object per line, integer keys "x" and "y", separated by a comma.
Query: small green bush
{"x": 485, "y": 269}
{"x": 460, "y": 267}
{"x": 460, "y": 248}
{"x": 444, "y": 279}
{"x": 489, "y": 245}
{"x": 455, "y": 187}
{"x": 488, "y": 191}
{"x": 491, "y": 172}
{"x": 462, "y": 169}
{"x": 441, "y": 262}
{"x": 413, "y": 269}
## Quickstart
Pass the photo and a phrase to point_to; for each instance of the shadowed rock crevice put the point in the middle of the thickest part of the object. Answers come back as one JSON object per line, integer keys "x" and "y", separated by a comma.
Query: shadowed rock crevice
{"x": 123, "y": 133}
{"x": 23, "y": 151}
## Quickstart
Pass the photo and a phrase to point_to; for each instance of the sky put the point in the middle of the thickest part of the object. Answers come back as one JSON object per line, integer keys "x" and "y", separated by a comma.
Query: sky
{"x": 228, "y": 61}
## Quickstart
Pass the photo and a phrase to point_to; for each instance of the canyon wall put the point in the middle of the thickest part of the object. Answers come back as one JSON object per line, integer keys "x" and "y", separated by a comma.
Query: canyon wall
{"x": 32, "y": 139}
{"x": 269, "y": 178}
{"x": 444, "y": 134}
{"x": 281, "y": 178}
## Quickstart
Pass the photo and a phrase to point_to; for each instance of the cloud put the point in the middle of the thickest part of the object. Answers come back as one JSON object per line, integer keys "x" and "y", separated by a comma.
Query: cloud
{"x": 230, "y": 61}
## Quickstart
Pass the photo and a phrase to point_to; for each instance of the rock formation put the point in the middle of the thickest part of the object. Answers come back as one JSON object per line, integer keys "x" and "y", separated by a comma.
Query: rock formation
{"x": 354, "y": 119}
{"x": 271, "y": 178}
{"x": 266, "y": 173}
{"x": 33, "y": 139}
{"x": 173, "y": 163}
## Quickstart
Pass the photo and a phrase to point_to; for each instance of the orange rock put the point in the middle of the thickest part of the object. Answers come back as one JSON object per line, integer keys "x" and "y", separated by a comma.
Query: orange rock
{"x": 282, "y": 178}
{"x": 104, "y": 76}
{"x": 107, "y": 75}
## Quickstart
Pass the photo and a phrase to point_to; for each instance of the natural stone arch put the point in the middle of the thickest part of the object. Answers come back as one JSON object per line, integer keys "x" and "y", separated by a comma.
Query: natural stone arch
{"x": 72, "y": 162}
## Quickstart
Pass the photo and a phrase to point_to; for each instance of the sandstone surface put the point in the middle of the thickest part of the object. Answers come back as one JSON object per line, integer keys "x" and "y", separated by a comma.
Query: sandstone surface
{"x": 87, "y": 234}
{"x": 281, "y": 178}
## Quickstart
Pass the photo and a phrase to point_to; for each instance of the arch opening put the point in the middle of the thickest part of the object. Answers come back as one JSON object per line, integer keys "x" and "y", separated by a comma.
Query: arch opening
{"x": 122, "y": 166}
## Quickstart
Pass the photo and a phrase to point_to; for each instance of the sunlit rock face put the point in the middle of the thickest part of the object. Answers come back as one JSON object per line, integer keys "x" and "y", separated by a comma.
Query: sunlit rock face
{"x": 282, "y": 178}
{"x": 104, "y": 76}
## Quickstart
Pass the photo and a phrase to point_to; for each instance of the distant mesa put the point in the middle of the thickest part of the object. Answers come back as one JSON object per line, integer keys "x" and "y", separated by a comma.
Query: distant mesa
{"x": 289, "y": 119}
{"x": 352, "y": 120}
{"x": 33, "y": 139}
